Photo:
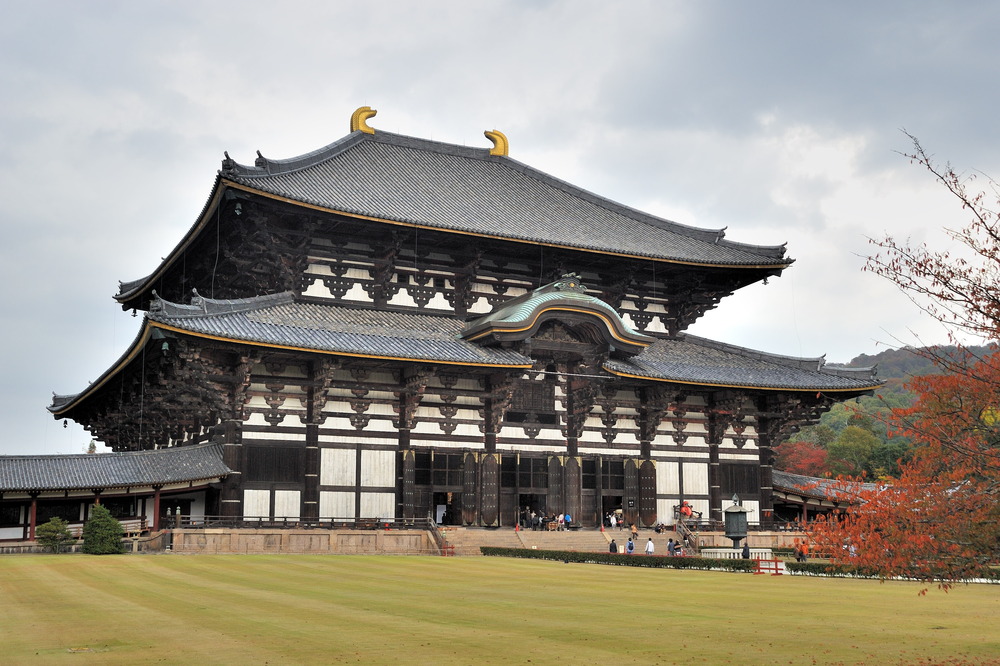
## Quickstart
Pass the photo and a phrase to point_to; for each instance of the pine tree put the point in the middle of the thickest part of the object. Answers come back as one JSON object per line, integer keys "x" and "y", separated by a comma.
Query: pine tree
{"x": 102, "y": 534}
{"x": 53, "y": 535}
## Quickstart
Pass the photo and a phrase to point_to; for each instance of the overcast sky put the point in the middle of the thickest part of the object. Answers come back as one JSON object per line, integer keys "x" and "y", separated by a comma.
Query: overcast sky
{"x": 778, "y": 120}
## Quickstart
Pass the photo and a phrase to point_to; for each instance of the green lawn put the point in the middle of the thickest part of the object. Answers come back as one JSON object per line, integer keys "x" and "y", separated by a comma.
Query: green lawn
{"x": 291, "y": 609}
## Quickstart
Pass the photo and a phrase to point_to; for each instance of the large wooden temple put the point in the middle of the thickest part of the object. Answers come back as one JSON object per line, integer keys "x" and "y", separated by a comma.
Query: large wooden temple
{"x": 395, "y": 327}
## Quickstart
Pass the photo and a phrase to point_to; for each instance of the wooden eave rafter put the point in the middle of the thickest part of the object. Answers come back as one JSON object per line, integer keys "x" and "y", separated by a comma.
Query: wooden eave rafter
{"x": 150, "y": 326}
{"x": 222, "y": 184}
{"x": 414, "y": 225}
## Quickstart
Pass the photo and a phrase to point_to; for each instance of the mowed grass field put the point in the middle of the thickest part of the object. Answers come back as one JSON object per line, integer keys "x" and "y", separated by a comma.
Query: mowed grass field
{"x": 291, "y": 609}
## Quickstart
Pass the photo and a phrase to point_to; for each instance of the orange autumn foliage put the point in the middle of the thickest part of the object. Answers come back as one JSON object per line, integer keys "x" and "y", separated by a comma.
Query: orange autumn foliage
{"x": 937, "y": 522}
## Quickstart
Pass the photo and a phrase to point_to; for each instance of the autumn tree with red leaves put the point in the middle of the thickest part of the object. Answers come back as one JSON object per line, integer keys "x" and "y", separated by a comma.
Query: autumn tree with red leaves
{"x": 939, "y": 521}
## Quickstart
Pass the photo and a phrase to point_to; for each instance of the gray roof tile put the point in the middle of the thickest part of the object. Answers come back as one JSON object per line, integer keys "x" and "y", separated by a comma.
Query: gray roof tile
{"x": 278, "y": 320}
{"x": 689, "y": 359}
{"x": 112, "y": 470}
{"x": 420, "y": 182}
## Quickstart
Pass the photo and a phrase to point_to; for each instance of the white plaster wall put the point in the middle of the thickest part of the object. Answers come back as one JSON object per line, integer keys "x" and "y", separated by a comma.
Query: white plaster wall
{"x": 256, "y": 503}
{"x": 318, "y": 289}
{"x": 336, "y": 504}
{"x": 287, "y": 503}
{"x": 337, "y": 467}
{"x": 402, "y": 298}
{"x": 695, "y": 479}
{"x": 249, "y": 437}
{"x": 438, "y": 302}
{"x": 378, "y": 505}
{"x": 480, "y": 306}
{"x": 358, "y": 274}
{"x": 356, "y": 293}
{"x": 667, "y": 478}
{"x": 378, "y": 468}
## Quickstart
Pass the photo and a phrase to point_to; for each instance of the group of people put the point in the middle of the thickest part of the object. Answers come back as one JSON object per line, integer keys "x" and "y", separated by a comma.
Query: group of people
{"x": 540, "y": 521}
{"x": 674, "y": 548}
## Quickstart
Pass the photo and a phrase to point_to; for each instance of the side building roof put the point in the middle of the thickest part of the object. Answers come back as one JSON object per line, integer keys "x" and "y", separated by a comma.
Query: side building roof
{"x": 180, "y": 464}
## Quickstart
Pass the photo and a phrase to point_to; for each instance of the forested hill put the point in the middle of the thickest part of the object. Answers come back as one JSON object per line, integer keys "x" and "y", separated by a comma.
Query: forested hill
{"x": 895, "y": 366}
{"x": 852, "y": 438}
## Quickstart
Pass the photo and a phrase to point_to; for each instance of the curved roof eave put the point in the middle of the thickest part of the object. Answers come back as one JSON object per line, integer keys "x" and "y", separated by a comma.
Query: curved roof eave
{"x": 413, "y": 224}
{"x": 130, "y": 289}
{"x": 757, "y": 387}
{"x": 63, "y": 404}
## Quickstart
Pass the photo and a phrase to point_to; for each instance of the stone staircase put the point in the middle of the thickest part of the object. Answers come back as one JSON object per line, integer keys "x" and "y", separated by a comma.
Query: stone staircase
{"x": 467, "y": 540}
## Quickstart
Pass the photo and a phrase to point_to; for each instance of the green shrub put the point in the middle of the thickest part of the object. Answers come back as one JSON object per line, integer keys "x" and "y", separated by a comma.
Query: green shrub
{"x": 623, "y": 560}
{"x": 53, "y": 535}
{"x": 102, "y": 534}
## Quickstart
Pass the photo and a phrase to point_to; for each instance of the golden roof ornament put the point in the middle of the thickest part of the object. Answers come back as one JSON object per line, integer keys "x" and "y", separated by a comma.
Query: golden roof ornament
{"x": 359, "y": 119}
{"x": 500, "y": 145}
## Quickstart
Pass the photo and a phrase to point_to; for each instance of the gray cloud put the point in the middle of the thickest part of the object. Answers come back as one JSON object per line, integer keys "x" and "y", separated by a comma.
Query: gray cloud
{"x": 778, "y": 120}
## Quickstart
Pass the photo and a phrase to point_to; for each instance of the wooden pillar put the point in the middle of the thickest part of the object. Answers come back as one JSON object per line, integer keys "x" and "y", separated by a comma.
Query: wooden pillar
{"x": 714, "y": 471}
{"x": 573, "y": 487}
{"x": 156, "y": 508}
{"x": 232, "y": 456}
{"x": 406, "y": 484}
{"x": 630, "y": 501}
{"x": 32, "y": 516}
{"x": 310, "y": 487}
{"x": 766, "y": 458}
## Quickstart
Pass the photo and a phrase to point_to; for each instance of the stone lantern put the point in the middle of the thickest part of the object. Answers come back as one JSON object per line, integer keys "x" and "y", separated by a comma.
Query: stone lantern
{"x": 736, "y": 521}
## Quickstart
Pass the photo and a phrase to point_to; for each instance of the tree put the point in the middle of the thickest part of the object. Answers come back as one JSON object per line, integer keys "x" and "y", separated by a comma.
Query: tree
{"x": 850, "y": 453}
{"x": 102, "y": 534}
{"x": 938, "y": 521}
{"x": 802, "y": 457}
{"x": 53, "y": 535}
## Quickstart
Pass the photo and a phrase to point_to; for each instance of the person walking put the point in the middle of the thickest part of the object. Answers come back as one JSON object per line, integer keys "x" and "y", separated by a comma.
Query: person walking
{"x": 630, "y": 547}
{"x": 613, "y": 548}
{"x": 671, "y": 547}
{"x": 650, "y": 547}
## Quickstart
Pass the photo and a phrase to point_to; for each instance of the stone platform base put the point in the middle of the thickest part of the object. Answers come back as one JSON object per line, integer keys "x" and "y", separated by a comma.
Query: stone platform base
{"x": 265, "y": 541}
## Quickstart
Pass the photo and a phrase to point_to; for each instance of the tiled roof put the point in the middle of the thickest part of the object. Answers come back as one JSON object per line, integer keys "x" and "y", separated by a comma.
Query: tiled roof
{"x": 812, "y": 486}
{"x": 112, "y": 470}
{"x": 277, "y": 320}
{"x": 428, "y": 183}
{"x": 689, "y": 359}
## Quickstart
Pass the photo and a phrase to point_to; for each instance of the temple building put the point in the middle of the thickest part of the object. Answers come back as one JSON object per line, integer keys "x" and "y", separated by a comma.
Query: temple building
{"x": 395, "y": 327}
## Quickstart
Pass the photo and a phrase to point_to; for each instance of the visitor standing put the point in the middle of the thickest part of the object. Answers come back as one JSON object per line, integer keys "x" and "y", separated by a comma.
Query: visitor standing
{"x": 671, "y": 547}
{"x": 613, "y": 548}
{"x": 650, "y": 547}
{"x": 630, "y": 547}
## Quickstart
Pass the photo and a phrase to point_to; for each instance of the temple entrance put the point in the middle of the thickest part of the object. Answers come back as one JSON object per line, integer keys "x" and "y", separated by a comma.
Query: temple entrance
{"x": 611, "y": 504}
{"x": 447, "y": 508}
{"x": 528, "y": 503}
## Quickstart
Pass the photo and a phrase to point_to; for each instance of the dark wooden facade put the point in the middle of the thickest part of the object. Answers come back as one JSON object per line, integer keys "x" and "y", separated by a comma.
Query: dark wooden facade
{"x": 567, "y": 422}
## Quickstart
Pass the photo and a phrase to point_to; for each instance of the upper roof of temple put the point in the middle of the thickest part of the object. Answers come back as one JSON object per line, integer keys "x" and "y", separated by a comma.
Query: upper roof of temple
{"x": 479, "y": 192}
{"x": 469, "y": 190}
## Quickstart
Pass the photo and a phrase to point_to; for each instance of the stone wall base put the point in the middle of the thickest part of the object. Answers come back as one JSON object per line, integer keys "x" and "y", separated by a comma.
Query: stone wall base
{"x": 303, "y": 541}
